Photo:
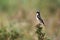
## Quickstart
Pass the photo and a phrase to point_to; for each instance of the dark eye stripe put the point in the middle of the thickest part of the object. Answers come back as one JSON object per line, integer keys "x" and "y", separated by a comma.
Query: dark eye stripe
{"x": 38, "y": 12}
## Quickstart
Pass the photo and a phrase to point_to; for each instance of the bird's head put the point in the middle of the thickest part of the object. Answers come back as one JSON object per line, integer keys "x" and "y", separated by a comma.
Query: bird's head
{"x": 37, "y": 12}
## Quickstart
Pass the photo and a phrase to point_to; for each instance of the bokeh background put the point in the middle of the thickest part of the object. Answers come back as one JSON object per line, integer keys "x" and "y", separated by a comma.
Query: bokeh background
{"x": 18, "y": 18}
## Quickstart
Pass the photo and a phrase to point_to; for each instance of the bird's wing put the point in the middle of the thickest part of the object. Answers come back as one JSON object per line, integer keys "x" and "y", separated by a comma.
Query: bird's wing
{"x": 40, "y": 19}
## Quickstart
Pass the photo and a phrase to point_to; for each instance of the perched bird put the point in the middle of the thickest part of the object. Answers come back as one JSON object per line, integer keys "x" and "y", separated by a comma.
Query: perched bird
{"x": 38, "y": 17}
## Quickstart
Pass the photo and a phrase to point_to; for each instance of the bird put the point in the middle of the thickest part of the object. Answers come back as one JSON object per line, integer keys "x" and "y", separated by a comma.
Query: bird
{"x": 38, "y": 17}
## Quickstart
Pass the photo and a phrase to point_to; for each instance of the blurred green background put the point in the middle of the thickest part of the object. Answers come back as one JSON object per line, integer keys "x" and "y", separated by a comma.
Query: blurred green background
{"x": 17, "y": 18}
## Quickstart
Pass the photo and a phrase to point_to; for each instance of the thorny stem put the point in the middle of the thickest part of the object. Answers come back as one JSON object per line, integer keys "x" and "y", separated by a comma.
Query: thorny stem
{"x": 39, "y": 32}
